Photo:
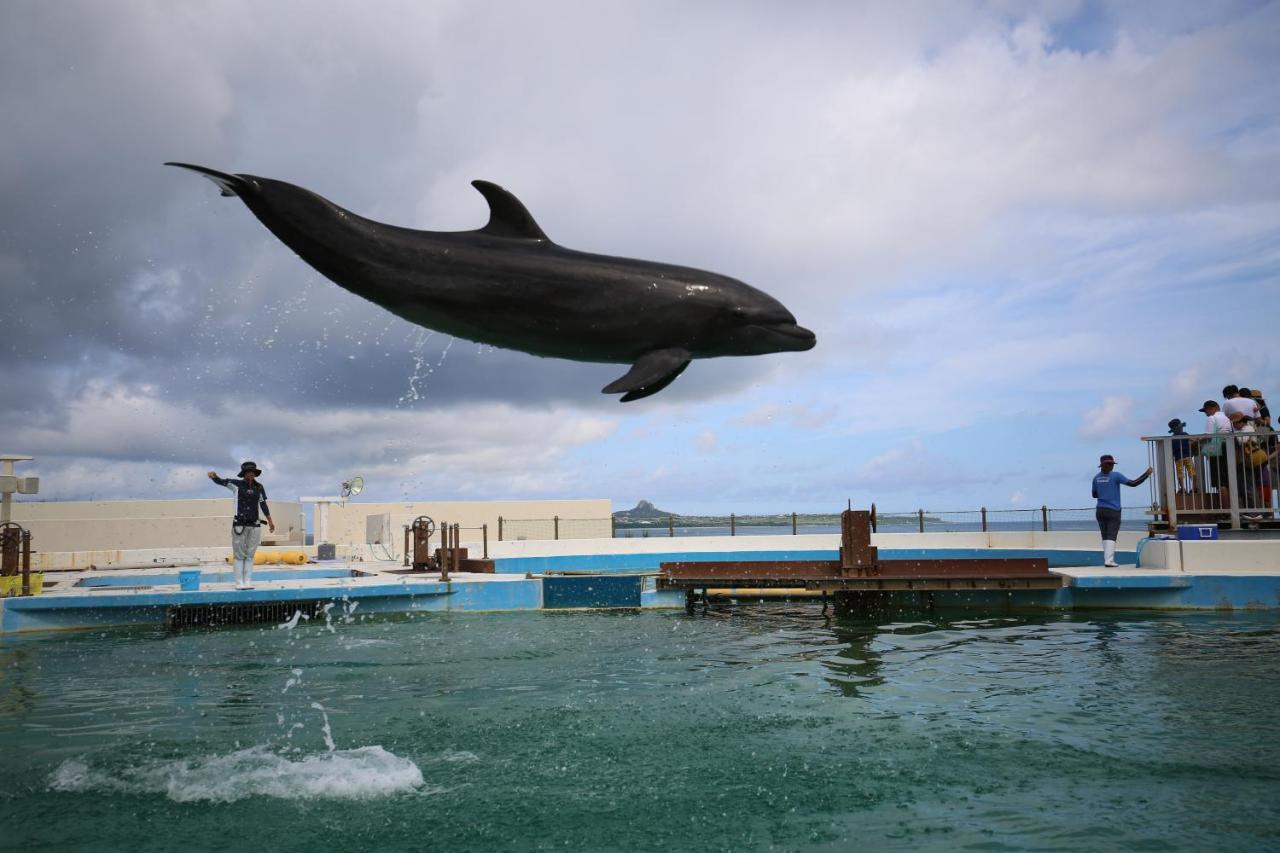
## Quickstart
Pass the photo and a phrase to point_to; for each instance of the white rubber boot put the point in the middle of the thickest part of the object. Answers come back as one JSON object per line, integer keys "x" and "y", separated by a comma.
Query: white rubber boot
{"x": 248, "y": 574}
{"x": 1108, "y": 553}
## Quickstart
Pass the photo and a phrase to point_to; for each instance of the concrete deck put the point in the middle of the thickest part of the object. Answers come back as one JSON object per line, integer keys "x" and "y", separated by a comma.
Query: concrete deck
{"x": 590, "y": 574}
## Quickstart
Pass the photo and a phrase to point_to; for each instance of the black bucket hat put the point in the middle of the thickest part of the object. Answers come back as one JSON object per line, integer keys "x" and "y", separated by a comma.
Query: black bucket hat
{"x": 246, "y": 467}
{"x": 1175, "y": 425}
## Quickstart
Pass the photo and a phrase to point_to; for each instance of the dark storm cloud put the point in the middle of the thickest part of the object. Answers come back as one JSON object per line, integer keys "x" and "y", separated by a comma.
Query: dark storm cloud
{"x": 131, "y": 272}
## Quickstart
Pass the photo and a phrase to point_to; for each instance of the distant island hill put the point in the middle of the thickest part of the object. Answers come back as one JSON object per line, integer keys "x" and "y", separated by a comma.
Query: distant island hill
{"x": 645, "y": 514}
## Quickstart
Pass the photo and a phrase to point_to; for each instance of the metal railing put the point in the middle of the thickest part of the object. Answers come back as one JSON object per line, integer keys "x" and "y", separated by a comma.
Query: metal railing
{"x": 981, "y": 520}
{"x": 1214, "y": 479}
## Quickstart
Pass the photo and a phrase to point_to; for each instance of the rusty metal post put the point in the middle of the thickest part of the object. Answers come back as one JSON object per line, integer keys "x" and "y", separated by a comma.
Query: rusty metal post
{"x": 984, "y": 519}
{"x": 873, "y": 518}
{"x": 793, "y": 524}
{"x": 556, "y": 521}
{"x": 1044, "y": 517}
{"x": 920, "y": 515}
{"x": 857, "y": 554}
{"x": 484, "y": 532}
{"x": 26, "y": 562}
{"x": 499, "y": 528}
{"x": 406, "y": 545}
{"x": 444, "y": 550}
{"x": 457, "y": 547}
{"x": 671, "y": 526}
{"x": 733, "y": 524}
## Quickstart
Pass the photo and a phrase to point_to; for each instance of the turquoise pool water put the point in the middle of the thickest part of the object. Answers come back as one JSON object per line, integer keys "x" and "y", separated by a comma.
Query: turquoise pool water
{"x": 741, "y": 729}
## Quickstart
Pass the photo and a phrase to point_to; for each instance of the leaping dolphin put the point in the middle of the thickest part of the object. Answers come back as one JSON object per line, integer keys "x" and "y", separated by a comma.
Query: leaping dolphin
{"x": 508, "y": 285}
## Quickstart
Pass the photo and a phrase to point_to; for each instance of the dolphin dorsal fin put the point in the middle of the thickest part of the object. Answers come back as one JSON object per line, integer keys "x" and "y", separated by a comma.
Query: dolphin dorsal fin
{"x": 508, "y": 217}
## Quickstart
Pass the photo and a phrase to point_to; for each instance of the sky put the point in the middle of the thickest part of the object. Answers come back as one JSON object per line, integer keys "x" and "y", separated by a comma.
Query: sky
{"x": 1025, "y": 234}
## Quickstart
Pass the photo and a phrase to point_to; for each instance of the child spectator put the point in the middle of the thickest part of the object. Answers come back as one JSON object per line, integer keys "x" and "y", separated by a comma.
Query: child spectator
{"x": 1184, "y": 463}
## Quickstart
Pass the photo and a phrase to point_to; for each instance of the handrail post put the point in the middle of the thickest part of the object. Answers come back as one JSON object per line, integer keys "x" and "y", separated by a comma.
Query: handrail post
{"x": 556, "y": 522}
{"x": 26, "y": 561}
{"x": 920, "y": 515}
{"x": 671, "y": 526}
{"x": 406, "y": 545}
{"x": 984, "y": 519}
{"x": 444, "y": 551}
{"x": 733, "y": 525}
{"x": 1044, "y": 517}
{"x": 484, "y": 532}
{"x": 793, "y": 524}
{"x": 874, "y": 520}
{"x": 499, "y": 528}
{"x": 1233, "y": 487}
{"x": 1168, "y": 468}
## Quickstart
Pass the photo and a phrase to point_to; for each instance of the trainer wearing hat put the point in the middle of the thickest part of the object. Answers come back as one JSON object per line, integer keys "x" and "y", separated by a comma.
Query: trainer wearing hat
{"x": 1106, "y": 488}
{"x": 245, "y": 530}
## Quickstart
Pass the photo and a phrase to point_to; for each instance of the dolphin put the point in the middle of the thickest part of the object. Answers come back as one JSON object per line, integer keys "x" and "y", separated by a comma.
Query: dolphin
{"x": 507, "y": 284}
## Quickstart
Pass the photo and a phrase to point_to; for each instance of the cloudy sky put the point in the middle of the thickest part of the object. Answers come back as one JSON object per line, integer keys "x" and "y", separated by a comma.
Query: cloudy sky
{"x": 1025, "y": 234}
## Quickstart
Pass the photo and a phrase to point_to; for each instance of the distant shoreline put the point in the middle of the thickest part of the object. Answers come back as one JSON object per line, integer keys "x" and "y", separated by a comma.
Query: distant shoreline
{"x": 807, "y": 519}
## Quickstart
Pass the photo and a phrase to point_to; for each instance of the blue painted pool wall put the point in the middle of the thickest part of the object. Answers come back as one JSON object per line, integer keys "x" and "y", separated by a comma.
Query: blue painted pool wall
{"x": 608, "y": 563}
{"x": 591, "y": 591}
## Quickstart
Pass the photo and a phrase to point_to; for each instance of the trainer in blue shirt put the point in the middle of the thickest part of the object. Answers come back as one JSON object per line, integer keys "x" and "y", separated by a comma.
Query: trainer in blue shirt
{"x": 1106, "y": 488}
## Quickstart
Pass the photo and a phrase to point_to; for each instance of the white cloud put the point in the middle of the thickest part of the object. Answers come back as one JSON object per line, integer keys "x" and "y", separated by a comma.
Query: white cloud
{"x": 132, "y": 441}
{"x": 1113, "y": 415}
{"x": 760, "y": 416}
{"x": 706, "y": 441}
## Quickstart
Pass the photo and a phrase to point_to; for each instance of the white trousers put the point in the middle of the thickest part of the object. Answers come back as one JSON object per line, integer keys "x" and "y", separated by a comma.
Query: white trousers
{"x": 244, "y": 544}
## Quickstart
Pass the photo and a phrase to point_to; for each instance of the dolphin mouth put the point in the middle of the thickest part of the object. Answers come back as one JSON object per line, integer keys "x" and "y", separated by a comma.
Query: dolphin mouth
{"x": 231, "y": 185}
{"x": 795, "y": 338}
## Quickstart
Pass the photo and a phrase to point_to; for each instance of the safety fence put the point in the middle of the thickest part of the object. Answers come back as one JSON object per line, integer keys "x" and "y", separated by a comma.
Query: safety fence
{"x": 1224, "y": 479}
{"x": 1043, "y": 518}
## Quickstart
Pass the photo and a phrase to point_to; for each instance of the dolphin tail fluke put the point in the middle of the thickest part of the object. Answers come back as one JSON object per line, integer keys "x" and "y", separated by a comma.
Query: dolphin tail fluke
{"x": 231, "y": 185}
{"x": 652, "y": 372}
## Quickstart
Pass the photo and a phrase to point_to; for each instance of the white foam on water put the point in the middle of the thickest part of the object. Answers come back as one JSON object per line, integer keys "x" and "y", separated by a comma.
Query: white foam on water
{"x": 346, "y": 774}
{"x": 460, "y": 756}
{"x": 292, "y": 623}
{"x": 328, "y": 732}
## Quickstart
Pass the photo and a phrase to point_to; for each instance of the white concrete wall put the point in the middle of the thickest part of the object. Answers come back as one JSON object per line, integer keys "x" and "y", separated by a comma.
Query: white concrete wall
{"x": 103, "y": 526}
{"x": 1214, "y": 557}
{"x": 581, "y": 518}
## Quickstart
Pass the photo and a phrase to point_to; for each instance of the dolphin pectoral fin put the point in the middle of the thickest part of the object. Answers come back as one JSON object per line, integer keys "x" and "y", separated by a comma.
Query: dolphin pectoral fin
{"x": 508, "y": 217}
{"x": 652, "y": 372}
{"x": 231, "y": 185}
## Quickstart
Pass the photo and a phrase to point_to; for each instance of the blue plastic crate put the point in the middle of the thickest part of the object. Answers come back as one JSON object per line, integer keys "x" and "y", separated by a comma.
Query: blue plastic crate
{"x": 1197, "y": 531}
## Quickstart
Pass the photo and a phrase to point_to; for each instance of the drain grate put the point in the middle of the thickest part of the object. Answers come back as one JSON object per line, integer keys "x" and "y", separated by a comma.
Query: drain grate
{"x": 249, "y": 613}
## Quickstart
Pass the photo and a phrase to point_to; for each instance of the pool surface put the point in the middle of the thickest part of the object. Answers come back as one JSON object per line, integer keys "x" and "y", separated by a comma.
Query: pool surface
{"x": 746, "y": 728}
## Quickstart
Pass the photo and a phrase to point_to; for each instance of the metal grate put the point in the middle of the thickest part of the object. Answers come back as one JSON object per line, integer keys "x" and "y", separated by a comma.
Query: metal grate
{"x": 250, "y": 613}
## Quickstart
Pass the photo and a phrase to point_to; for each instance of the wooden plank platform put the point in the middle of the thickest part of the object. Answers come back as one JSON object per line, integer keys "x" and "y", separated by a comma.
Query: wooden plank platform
{"x": 887, "y": 575}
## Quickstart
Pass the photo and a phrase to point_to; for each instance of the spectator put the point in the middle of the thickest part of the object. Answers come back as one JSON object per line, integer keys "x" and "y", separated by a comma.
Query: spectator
{"x": 1106, "y": 488}
{"x": 1250, "y": 405}
{"x": 1234, "y": 401}
{"x": 1184, "y": 462}
{"x": 1212, "y": 449}
{"x": 1264, "y": 414}
{"x": 1249, "y": 467}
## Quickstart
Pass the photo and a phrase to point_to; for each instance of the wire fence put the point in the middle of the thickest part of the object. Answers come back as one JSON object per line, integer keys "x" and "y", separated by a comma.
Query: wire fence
{"x": 1042, "y": 518}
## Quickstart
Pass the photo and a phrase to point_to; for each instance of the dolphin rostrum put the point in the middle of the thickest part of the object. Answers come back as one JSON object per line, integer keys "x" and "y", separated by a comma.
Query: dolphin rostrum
{"x": 508, "y": 285}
